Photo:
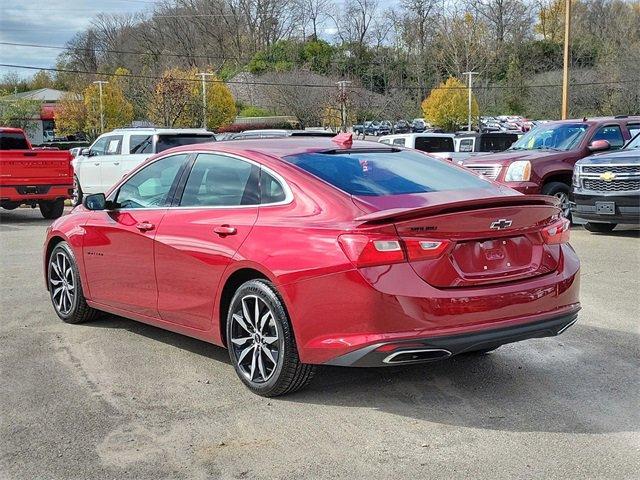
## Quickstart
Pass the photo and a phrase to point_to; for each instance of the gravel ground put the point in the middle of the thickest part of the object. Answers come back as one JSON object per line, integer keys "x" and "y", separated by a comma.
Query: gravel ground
{"x": 119, "y": 399}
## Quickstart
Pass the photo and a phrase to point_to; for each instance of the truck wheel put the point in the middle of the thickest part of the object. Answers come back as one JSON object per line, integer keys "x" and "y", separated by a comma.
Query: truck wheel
{"x": 10, "y": 205}
{"x": 52, "y": 209}
{"x": 561, "y": 191}
{"x": 599, "y": 227}
{"x": 76, "y": 198}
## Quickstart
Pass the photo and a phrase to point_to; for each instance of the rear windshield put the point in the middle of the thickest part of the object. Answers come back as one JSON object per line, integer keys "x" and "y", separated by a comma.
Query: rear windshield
{"x": 13, "y": 141}
{"x": 434, "y": 144}
{"x": 382, "y": 173}
{"x": 166, "y": 142}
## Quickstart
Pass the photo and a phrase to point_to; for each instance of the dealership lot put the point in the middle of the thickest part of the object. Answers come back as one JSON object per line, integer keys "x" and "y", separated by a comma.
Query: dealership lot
{"x": 115, "y": 398}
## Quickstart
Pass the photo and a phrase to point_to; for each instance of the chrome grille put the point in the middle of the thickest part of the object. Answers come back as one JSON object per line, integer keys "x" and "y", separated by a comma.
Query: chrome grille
{"x": 489, "y": 171}
{"x": 613, "y": 186}
{"x": 611, "y": 168}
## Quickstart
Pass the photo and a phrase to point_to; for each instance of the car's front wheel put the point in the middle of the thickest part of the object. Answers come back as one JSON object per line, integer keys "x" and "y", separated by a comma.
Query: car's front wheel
{"x": 65, "y": 289}
{"x": 261, "y": 342}
{"x": 600, "y": 227}
{"x": 561, "y": 192}
{"x": 76, "y": 198}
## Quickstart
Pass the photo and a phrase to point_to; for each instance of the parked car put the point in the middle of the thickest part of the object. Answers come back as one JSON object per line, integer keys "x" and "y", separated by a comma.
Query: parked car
{"x": 418, "y": 125}
{"x": 359, "y": 129}
{"x": 402, "y": 126}
{"x": 372, "y": 128}
{"x": 440, "y": 145}
{"x": 606, "y": 189}
{"x": 470, "y": 142}
{"x": 542, "y": 160}
{"x": 33, "y": 177}
{"x": 280, "y": 133}
{"x": 391, "y": 257}
{"x": 116, "y": 153}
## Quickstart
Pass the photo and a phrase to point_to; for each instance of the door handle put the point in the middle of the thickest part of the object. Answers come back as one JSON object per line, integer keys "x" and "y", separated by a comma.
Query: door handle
{"x": 145, "y": 226}
{"x": 116, "y": 163}
{"x": 224, "y": 230}
{"x": 97, "y": 164}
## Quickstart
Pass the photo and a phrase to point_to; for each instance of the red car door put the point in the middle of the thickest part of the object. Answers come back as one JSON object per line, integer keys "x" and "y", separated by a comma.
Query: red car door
{"x": 199, "y": 237}
{"x": 119, "y": 243}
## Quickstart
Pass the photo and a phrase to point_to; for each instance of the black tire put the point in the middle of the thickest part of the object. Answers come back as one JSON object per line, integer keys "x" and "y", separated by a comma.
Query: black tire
{"x": 560, "y": 190}
{"x": 52, "y": 209}
{"x": 78, "y": 311}
{"x": 261, "y": 374}
{"x": 77, "y": 192}
{"x": 600, "y": 227}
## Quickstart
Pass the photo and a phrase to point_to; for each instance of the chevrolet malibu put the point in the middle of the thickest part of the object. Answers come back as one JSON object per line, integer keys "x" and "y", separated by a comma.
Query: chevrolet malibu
{"x": 299, "y": 252}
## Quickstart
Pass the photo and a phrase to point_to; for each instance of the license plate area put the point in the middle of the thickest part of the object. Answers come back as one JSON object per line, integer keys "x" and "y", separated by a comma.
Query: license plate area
{"x": 490, "y": 257}
{"x": 606, "y": 208}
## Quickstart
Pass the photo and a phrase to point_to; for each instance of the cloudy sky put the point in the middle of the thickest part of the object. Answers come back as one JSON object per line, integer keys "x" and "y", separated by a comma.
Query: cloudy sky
{"x": 50, "y": 22}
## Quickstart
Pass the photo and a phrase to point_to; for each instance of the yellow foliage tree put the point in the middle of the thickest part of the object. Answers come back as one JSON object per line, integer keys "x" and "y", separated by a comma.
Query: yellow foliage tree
{"x": 551, "y": 20}
{"x": 447, "y": 105}
{"x": 177, "y": 101}
{"x": 118, "y": 111}
{"x": 71, "y": 115}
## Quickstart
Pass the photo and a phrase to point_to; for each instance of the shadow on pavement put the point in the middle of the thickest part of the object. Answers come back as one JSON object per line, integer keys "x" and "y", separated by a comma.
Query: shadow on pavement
{"x": 585, "y": 381}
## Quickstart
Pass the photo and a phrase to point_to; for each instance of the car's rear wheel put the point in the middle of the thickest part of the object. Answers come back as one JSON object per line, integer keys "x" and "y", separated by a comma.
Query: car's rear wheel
{"x": 261, "y": 342}
{"x": 600, "y": 227}
{"x": 52, "y": 209}
{"x": 76, "y": 198}
{"x": 65, "y": 288}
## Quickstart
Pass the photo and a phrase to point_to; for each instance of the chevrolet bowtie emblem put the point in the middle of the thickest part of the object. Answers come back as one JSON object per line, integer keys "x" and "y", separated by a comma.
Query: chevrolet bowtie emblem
{"x": 607, "y": 176}
{"x": 500, "y": 224}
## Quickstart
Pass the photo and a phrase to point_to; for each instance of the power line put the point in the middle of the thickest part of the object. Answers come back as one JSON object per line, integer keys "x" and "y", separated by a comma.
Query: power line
{"x": 288, "y": 84}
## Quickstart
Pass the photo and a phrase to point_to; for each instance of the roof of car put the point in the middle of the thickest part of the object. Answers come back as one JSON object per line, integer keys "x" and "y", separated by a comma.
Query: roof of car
{"x": 166, "y": 131}
{"x": 423, "y": 134}
{"x": 277, "y": 147}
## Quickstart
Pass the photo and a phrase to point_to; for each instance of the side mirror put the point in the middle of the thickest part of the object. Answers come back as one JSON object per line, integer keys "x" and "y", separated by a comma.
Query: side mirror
{"x": 599, "y": 146}
{"x": 85, "y": 152}
{"x": 97, "y": 201}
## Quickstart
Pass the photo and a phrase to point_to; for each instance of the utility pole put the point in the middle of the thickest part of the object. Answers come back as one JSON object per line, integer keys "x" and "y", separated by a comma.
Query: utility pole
{"x": 204, "y": 96}
{"x": 565, "y": 71}
{"x": 100, "y": 83}
{"x": 471, "y": 74}
{"x": 342, "y": 89}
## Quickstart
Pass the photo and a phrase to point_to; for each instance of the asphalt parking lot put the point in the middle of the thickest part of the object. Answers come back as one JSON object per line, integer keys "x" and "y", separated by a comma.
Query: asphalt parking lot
{"x": 119, "y": 399}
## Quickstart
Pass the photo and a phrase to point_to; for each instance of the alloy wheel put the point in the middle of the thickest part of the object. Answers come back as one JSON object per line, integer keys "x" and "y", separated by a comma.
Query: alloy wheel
{"x": 255, "y": 339}
{"x": 62, "y": 283}
{"x": 564, "y": 203}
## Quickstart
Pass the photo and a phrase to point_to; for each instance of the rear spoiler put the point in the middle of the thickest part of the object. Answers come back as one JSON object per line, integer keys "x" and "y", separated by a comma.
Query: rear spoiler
{"x": 384, "y": 216}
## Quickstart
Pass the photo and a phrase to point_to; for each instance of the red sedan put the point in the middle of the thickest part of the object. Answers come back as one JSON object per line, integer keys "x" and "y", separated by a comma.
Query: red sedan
{"x": 306, "y": 251}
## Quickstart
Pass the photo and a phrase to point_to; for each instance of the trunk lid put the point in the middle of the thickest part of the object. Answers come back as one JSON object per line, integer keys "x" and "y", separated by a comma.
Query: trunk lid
{"x": 488, "y": 240}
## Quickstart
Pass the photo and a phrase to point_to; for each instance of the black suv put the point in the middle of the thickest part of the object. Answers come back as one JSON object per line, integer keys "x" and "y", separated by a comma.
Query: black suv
{"x": 606, "y": 188}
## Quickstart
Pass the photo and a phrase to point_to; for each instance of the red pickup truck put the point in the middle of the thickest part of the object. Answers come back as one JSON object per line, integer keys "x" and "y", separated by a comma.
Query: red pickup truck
{"x": 33, "y": 177}
{"x": 542, "y": 160}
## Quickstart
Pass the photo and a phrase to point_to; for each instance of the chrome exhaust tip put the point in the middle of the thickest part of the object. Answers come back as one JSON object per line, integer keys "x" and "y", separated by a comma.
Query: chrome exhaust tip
{"x": 417, "y": 355}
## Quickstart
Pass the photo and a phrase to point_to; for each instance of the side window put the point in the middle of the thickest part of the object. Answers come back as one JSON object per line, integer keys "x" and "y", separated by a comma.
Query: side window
{"x": 634, "y": 129}
{"x": 398, "y": 141}
{"x": 612, "y": 134}
{"x": 271, "y": 190}
{"x": 466, "y": 145}
{"x": 221, "y": 181}
{"x": 140, "y": 144}
{"x": 99, "y": 146}
{"x": 113, "y": 145}
{"x": 151, "y": 186}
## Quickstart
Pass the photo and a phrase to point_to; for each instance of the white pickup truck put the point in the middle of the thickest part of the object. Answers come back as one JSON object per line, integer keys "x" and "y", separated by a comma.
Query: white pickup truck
{"x": 116, "y": 153}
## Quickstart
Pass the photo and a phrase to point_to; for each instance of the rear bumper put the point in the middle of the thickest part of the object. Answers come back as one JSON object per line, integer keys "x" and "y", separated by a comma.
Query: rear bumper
{"x": 35, "y": 193}
{"x": 437, "y": 348}
{"x": 627, "y": 207}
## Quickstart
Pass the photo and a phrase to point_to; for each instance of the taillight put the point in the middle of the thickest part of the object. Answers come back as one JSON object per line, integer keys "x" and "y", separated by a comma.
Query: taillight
{"x": 557, "y": 232}
{"x": 370, "y": 250}
{"x": 423, "y": 249}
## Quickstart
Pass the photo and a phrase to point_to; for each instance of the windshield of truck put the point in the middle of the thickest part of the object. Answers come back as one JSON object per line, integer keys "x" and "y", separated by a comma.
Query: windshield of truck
{"x": 13, "y": 141}
{"x": 634, "y": 143}
{"x": 560, "y": 136}
{"x": 168, "y": 141}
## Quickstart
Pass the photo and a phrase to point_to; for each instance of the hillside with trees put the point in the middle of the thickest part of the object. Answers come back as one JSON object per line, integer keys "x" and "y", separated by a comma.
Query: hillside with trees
{"x": 394, "y": 55}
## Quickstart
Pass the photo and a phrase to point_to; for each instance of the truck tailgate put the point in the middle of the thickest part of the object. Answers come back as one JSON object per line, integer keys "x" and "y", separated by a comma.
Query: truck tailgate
{"x": 28, "y": 166}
